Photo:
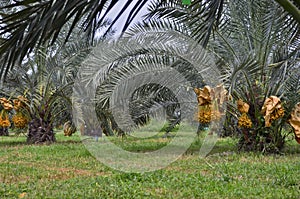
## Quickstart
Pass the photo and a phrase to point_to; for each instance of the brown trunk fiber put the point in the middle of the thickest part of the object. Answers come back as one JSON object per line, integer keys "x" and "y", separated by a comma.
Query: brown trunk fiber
{"x": 40, "y": 132}
{"x": 3, "y": 131}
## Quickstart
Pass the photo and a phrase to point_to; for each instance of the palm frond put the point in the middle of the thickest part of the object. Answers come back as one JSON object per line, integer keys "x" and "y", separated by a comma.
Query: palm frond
{"x": 292, "y": 7}
{"x": 161, "y": 25}
{"x": 292, "y": 92}
{"x": 253, "y": 30}
{"x": 201, "y": 18}
{"x": 36, "y": 23}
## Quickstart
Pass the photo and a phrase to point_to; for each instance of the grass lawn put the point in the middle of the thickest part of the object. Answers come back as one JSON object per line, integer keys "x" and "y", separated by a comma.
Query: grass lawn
{"x": 66, "y": 169}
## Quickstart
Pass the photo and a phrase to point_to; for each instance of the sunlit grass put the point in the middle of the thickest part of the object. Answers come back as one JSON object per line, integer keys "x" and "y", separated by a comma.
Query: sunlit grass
{"x": 66, "y": 169}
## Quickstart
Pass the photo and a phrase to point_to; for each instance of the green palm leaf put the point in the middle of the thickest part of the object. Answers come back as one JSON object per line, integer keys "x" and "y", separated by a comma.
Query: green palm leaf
{"x": 34, "y": 23}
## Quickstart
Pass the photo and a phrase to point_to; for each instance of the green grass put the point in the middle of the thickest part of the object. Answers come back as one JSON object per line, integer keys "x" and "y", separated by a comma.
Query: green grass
{"x": 67, "y": 170}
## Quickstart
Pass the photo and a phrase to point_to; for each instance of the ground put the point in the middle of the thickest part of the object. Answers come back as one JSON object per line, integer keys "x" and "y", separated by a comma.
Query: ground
{"x": 67, "y": 170}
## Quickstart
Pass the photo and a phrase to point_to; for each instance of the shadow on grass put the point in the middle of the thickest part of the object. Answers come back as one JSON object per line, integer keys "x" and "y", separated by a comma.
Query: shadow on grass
{"x": 153, "y": 143}
{"x": 68, "y": 142}
{"x": 218, "y": 148}
{"x": 9, "y": 143}
{"x": 12, "y": 141}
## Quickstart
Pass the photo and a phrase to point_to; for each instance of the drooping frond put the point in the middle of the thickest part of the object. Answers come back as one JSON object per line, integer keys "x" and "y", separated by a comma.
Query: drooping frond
{"x": 292, "y": 7}
{"x": 200, "y": 18}
{"x": 263, "y": 32}
{"x": 35, "y": 23}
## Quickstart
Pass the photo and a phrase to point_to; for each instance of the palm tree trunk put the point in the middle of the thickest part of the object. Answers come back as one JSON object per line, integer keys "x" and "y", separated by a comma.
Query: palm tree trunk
{"x": 3, "y": 131}
{"x": 40, "y": 131}
{"x": 105, "y": 124}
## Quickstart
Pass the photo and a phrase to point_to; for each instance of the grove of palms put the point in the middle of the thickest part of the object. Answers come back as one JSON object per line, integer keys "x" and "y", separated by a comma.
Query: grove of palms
{"x": 255, "y": 44}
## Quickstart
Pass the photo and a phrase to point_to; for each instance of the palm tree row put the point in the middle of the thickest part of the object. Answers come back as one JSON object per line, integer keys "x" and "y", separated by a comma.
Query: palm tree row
{"x": 256, "y": 45}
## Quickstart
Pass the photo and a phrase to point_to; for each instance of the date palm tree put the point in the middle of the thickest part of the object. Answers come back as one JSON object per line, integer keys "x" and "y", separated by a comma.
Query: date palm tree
{"x": 257, "y": 53}
{"x": 46, "y": 83}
